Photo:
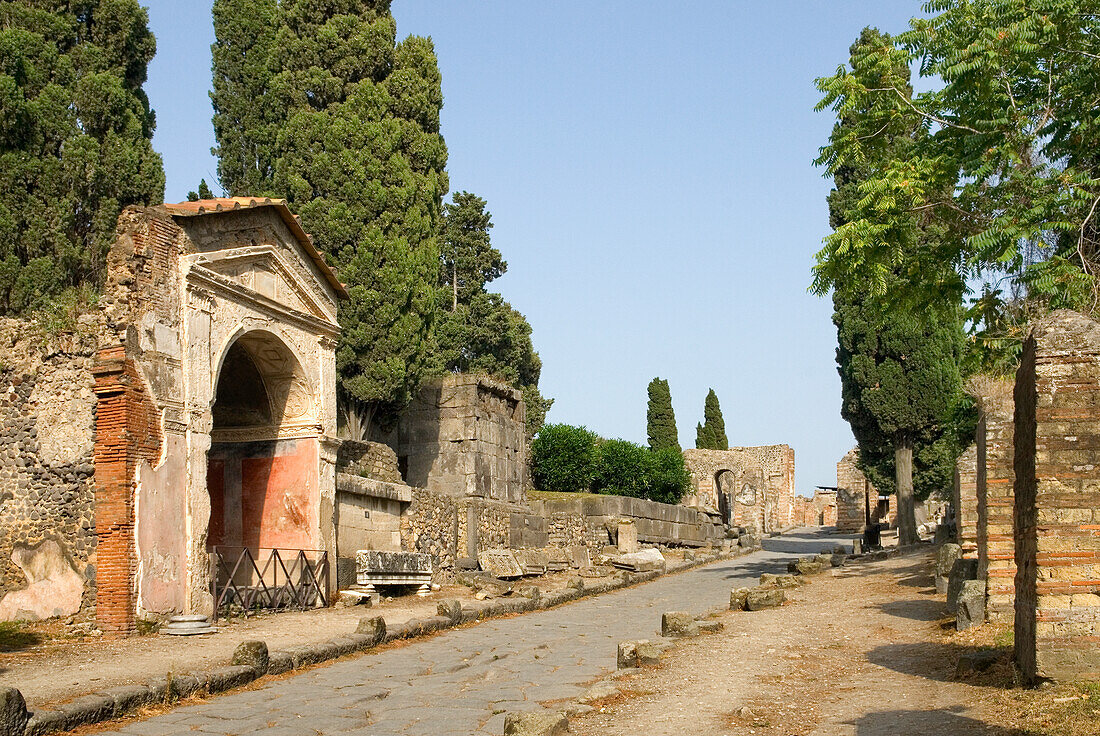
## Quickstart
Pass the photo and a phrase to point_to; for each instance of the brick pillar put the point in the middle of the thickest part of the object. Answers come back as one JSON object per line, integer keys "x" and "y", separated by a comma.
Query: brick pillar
{"x": 1057, "y": 501}
{"x": 996, "y": 545}
{"x": 965, "y": 500}
{"x": 126, "y": 432}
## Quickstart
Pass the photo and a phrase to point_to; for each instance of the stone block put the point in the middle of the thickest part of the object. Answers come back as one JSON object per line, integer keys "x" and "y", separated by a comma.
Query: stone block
{"x": 970, "y": 607}
{"x": 962, "y": 570}
{"x": 945, "y": 560}
{"x": 781, "y": 581}
{"x": 709, "y": 626}
{"x": 252, "y": 654}
{"x": 128, "y": 698}
{"x": 678, "y": 623}
{"x": 500, "y": 563}
{"x": 13, "y": 712}
{"x": 759, "y": 599}
{"x": 220, "y": 679}
{"x": 451, "y": 609}
{"x": 738, "y": 597}
{"x": 532, "y": 561}
{"x": 536, "y": 723}
{"x": 599, "y": 691}
{"x": 805, "y": 566}
{"x": 579, "y": 557}
{"x": 627, "y": 537}
{"x": 642, "y": 561}
{"x": 374, "y": 627}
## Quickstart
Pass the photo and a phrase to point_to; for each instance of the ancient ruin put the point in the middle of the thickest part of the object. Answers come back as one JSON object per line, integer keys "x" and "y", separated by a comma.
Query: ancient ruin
{"x": 857, "y": 500}
{"x": 994, "y": 479}
{"x": 750, "y": 486}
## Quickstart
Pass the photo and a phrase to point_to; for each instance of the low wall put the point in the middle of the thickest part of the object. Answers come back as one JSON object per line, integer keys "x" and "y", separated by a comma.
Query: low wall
{"x": 657, "y": 523}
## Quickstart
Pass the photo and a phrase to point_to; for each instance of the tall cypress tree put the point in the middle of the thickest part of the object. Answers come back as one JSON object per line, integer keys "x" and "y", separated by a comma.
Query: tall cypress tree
{"x": 75, "y": 141}
{"x": 246, "y": 119}
{"x": 660, "y": 419}
{"x": 358, "y": 154}
{"x": 711, "y": 434}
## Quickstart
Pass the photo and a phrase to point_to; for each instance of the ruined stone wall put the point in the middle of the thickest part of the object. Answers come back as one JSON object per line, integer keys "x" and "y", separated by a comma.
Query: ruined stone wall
{"x": 777, "y": 462}
{"x": 656, "y": 523}
{"x": 369, "y": 460}
{"x": 47, "y": 486}
{"x": 964, "y": 497}
{"x": 995, "y": 540}
{"x": 1057, "y": 500}
{"x": 825, "y": 507}
{"x": 752, "y": 486}
{"x": 465, "y": 435}
{"x": 450, "y": 527}
{"x": 852, "y": 489}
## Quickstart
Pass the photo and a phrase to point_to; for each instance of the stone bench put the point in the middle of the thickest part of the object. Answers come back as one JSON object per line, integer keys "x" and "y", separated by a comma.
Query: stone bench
{"x": 374, "y": 568}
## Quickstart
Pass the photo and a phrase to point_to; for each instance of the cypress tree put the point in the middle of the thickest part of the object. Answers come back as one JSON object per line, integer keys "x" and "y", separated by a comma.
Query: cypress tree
{"x": 76, "y": 135}
{"x": 246, "y": 120}
{"x": 711, "y": 435}
{"x": 660, "y": 419}
{"x": 347, "y": 130}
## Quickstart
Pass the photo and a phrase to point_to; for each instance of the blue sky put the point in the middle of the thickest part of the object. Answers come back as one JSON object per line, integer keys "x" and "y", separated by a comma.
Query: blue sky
{"x": 649, "y": 170}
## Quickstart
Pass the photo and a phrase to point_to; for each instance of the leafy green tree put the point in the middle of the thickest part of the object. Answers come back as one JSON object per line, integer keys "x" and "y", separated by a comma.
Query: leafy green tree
{"x": 669, "y": 479}
{"x": 246, "y": 119}
{"x": 563, "y": 458}
{"x": 347, "y": 129}
{"x": 711, "y": 434}
{"x": 622, "y": 469}
{"x": 477, "y": 331}
{"x": 1005, "y": 161}
{"x": 660, "y": 418}
{"x": 75, "y": 141}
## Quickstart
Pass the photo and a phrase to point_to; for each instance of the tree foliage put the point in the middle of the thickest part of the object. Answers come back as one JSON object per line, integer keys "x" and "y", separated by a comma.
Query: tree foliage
{"x": 478, "y": 331}
{"x": 563, "y": 458}
{"x": 346, "y": 127}
{"x": 75, "y": 141}
{"x": 1002, "y": 160}
{"x": 711, "y": 434}
{"x": 660, "y": 418}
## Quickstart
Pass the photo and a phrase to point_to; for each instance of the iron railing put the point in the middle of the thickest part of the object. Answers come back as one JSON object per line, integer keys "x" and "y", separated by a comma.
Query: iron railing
{"x": 287, "y": 579}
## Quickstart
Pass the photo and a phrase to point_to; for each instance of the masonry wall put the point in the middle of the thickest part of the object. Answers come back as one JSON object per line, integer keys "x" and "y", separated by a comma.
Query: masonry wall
{"x": 852, "y": 487}
{"x": 1057, "y": 500}
{"x": 465, "y": 435}
{"x": 47, "y": 486}
{"x": 964, "y": 498}
{"x": 994, "y": 479}
{"x": 754, "y": 486}
{"x": 657, "y": 523}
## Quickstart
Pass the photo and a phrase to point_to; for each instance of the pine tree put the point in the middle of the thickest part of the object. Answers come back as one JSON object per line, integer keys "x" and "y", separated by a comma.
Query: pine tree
{"x": 478, "y": 331}
{"x": 76, "y": 135}
{"x": 347, "y": 130}
{"x": 660, "y": 418}
{"x": 711, "y": 434}
{"x": 203, "y": 193}
{"x": 246, "y": 120}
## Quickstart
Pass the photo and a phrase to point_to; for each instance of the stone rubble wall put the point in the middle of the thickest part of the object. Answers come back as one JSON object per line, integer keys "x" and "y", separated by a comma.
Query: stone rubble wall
{"x": 757, "y": 483}
{"x": 1057, "y": 500}
{"x": 657, "y": 523}
{"x": 964, "y": 497}
{"x": 853, "y": 487}
{"x": 369, "y": 460}
{"x": 47, "y": 488}
{"x": 995, "y": 540}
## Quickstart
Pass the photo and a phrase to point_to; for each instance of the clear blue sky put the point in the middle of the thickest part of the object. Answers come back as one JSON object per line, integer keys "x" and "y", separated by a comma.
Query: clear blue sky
{"x": 649, "y": 170}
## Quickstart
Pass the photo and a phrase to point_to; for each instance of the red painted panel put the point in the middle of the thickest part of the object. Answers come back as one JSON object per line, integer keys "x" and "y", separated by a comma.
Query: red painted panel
{"x": 215, "y": 485}
{"x": 279, "y": 503}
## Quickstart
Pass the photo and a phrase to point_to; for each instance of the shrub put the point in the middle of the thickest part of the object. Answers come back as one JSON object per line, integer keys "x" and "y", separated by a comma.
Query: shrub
{"x": 669, "y": 478}
{"x": 563, "y": 458}
{"x": 622, "y": 469}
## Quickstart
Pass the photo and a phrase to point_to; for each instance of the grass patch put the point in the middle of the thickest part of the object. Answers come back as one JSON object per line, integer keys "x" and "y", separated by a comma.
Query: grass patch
{"x": 15, "y": 635}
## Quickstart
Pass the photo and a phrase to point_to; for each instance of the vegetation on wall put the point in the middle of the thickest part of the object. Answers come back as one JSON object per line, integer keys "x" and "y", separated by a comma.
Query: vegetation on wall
{"x": 75, "y": 142}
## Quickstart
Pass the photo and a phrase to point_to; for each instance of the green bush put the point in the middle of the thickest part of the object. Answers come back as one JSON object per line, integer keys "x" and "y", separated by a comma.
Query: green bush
{"x": 563, "y": 458}
{"x": 622, "y": 469}
{"x": 669, "y": 478}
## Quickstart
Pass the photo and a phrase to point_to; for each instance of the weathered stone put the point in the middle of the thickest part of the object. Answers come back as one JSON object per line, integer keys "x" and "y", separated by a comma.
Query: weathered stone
{"x": 13, "y": 712}
{"x": 53, "y": 587}
{"x": 532, "y": 561}
{"x": 738, "y": 596}
{"x": 451, "y": 609}
{"x": 599, "y": 691}
{"x": 678, "y": 623}
{"x": 252, "y": 654}
{"x": 626, "y": 537}
{"x": 536, "y": 723}
{"x": 221, "y": 679}
{"x": 781, "y": 581}
{"x": 758, "y": 599}
{"x": 376, "y": 567}
{"x": 709, "y": 626}
{"x": 374, "y": 627}
{"x": 945, "y": 560}
{"x": 639, "y": 653}
{"x": 642, "y": 561}
{"x": 962, "y": 570}
{"x": 970, "y": 608}
{"x": 500, "y": 563}
{"x": 579, "y": 556}
{"x": 805, "y": 566}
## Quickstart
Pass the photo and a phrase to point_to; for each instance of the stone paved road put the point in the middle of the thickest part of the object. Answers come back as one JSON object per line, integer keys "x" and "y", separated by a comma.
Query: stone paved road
{"x": 463, "y": 681}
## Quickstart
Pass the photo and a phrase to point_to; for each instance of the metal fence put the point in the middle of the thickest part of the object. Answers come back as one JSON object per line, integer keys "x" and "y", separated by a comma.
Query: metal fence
{"x": 247, "y": 580}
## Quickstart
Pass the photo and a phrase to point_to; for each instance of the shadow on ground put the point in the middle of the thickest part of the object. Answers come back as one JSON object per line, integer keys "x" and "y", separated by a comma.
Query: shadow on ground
{"x": 14, "y": 637}
{"x": 942, "y": 721}
{"x": 916, "y": 610}
{"x": 805, "y": 546}
{"x": 937, "y": 661}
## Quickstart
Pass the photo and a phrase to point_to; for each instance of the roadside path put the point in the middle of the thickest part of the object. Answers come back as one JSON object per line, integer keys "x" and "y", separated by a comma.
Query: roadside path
{"x": 464, "y": 681}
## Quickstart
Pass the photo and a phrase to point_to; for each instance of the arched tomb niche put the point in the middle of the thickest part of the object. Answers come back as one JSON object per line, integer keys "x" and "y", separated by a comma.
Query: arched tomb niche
{"x": 262, "y": 467}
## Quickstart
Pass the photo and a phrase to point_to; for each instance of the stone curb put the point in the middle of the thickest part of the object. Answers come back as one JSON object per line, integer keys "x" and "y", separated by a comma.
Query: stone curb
{"x": 120, "y": 701}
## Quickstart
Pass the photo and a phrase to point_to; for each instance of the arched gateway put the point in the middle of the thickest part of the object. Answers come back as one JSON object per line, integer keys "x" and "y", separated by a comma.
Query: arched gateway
{"x": 217, "y": 412}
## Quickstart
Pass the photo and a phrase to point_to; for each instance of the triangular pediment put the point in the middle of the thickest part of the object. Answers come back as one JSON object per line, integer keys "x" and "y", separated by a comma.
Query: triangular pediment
{"x": 264, "y": 271}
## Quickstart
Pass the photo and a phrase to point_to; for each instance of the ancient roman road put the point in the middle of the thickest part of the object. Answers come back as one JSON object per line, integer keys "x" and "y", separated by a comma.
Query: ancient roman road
{"x": 463, "y": 681}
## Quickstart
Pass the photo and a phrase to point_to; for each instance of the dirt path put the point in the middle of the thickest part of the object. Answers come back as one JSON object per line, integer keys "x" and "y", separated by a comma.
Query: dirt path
{"x": 863, "y": 650}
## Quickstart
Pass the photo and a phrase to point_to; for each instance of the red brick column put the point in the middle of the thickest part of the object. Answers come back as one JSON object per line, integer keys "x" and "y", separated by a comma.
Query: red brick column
{"x": 127, "y": 432}
{"x": 1057, "y": 501}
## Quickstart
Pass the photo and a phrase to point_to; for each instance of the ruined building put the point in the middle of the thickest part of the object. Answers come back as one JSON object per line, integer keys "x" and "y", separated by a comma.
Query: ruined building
{"x": 750, "y": 486}
{"x": 857, "y": 500}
